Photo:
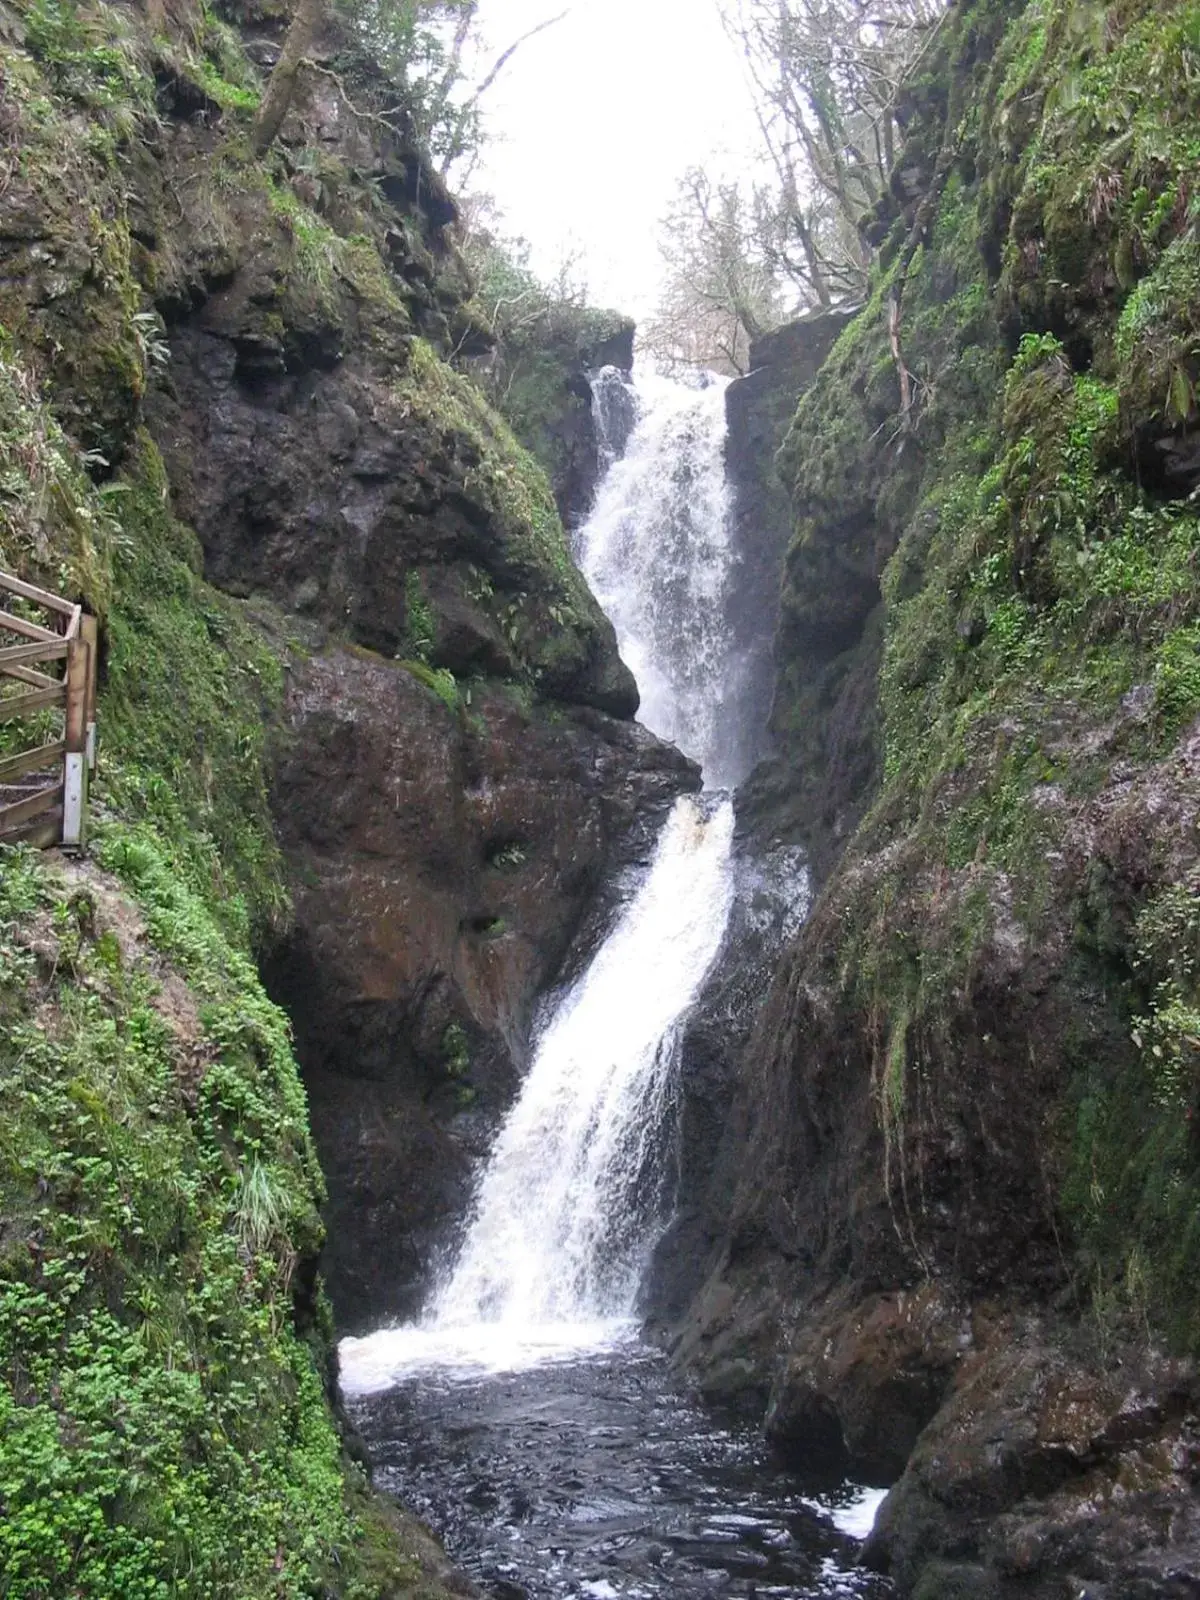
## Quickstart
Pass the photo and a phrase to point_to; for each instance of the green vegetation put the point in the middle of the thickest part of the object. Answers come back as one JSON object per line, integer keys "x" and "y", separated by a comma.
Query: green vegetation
{"x": 165, "y": 1427}
{"x": 162, "y": 1345}
{"x": 506, "y": 477}
{"x": 438, "y": 680}
{"x": 190, "y": 685}
{"x": 50, "y": 518}
{"x": 457, "y": 1052}
{"x": 535, "y": 596}
{"x": 1131, "y": 1186}
{"x": 1040, "y": 604}
{"x": 420, "y": 629}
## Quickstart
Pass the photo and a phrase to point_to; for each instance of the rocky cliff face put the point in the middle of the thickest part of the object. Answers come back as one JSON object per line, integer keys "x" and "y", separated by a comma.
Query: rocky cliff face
{"x": 539, "y": 377}
{"x": 759, "y": 409}
{"x": 362, "y": 720}
{"x": 772, "y": 845}
{"x": 444, "y": 855}
{"x": 961, "y": 1247}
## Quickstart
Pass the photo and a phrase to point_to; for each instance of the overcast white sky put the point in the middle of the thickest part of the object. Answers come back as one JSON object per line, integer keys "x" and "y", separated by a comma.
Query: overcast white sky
{"x": 594, "y": 120}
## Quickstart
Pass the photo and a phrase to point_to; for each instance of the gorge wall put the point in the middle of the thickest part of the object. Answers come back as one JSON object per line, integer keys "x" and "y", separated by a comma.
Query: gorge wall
{"x": 364, "y": 727}
{"x": 954, "y": 1192}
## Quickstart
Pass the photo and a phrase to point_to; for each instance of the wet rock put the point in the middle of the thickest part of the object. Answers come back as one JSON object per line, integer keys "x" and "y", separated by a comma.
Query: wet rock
{"x": 444, "y": 857}
{"x": 771, "y": 900}
{"x": 759, "y": 409}
{"x": 1052, "y": 1474}
{"x": 858, "y": 1388}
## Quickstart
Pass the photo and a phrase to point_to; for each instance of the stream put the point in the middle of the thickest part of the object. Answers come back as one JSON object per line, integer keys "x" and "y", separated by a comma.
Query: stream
{"x": 597, "y": 1474}
{"x": 551, "y": 1448}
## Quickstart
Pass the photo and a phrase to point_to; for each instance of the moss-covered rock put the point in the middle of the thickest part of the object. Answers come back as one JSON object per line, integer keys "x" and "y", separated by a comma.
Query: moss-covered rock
{"x": 978, "y": 1068}
{"x": 536, "y": 374}
{"x": 216, "y": 367}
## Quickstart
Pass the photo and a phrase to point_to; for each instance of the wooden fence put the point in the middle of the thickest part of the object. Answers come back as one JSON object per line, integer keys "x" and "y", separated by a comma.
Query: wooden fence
{"x": 43, "y": 786}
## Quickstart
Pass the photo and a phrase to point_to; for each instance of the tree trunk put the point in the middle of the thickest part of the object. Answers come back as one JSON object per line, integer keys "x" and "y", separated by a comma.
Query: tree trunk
{"x": 278, "y": 97}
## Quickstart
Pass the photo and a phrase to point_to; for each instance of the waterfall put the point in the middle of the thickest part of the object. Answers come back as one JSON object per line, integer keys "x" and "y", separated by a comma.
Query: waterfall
{"x": 569, "y": 1205}
{"x": 656, "y": 552}
{"x": 559, "y": 1230}
{"x": 614, "y": 413}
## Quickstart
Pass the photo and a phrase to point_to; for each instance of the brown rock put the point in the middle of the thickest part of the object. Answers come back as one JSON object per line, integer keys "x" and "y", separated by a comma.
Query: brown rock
{"x": 444, "y": 857}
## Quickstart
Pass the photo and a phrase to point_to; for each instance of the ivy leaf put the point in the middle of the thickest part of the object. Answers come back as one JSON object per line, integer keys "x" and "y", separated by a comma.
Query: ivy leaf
{"x": 1182, "y": 395}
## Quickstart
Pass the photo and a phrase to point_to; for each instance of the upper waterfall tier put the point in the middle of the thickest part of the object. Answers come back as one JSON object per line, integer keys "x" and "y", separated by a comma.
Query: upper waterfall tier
{"x": 657, "y": 553}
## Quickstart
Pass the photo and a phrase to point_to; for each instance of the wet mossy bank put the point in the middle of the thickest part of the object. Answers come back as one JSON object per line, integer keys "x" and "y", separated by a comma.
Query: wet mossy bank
{"x": 959, "y": 1186}
{"x": 230, "y": 424}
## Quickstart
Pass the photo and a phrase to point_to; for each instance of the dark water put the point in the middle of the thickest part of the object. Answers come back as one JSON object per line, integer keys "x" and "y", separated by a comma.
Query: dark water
{"x": 602, "y": 1478}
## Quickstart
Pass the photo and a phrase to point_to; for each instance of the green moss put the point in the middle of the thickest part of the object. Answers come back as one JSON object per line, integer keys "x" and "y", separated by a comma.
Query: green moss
{"x": 189, "y": 688}
{"x": 505, "y": 476}
{"x": 535, "y": 594}
{"x": 53, "y": 523}
{"x": 164, "y": 1423}
{"x": 438, "y": 680}
{"x": 1093, "y": 134}
{"x": 1029, "y": 583}
{"x": 1177, "y": 678}
{"x": 224, "y": 71}
{"x": 92, "y": 55}
{"x": 1132, "y": 1190}
{"x": 1158, "y": 340}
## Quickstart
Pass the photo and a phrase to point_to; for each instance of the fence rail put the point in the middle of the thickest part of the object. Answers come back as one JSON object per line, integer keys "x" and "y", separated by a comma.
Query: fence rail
{"x": 43, "y": 787}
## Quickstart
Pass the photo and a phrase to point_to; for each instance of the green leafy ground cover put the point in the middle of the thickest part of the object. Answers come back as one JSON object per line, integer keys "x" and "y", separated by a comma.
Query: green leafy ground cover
{"x": 165, "y": 1425}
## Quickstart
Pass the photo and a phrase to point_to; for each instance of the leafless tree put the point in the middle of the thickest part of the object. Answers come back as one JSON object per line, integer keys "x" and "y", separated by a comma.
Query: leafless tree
{"x": 425, "y": 48}
{"x": 720, "y": 291}
{"x": 826, "y": 77}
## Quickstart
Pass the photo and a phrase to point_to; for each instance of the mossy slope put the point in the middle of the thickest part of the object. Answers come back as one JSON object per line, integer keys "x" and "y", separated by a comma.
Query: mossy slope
{"x": 164, "y": 1346}
{"x": 1010, "y": 569}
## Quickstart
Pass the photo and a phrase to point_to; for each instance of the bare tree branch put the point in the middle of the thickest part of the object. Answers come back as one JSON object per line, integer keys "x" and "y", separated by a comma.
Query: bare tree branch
{"x": 506, "y": 56}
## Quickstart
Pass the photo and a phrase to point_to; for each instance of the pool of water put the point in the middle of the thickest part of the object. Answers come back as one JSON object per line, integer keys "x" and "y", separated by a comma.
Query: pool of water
{"x": 594, "y": 1473}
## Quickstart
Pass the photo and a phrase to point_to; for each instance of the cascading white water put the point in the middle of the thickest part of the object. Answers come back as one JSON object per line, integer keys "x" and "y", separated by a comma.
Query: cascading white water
{"x": 568, "y": 1208}
{"x": 656, "y": 552}
{"x": 559, "y": 1228}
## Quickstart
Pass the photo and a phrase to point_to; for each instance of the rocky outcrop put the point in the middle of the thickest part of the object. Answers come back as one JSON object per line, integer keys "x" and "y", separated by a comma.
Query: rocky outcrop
{"x": 960, "y": 1254}
{"x": 771, "y": 866}
{"x": 1050, "y": 1471}
{"x": 538, "y": 375}
{"x": 759, "y": 409}
{"x": 392, "y": 505}
{"x": 444, "y": 853}
{"x": 454, "y": 776}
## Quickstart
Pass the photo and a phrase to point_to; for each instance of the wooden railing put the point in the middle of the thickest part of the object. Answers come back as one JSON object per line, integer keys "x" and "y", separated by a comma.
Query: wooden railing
{"x": 43, "y": 787}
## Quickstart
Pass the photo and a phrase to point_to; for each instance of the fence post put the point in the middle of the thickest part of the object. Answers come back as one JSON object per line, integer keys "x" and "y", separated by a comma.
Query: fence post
{"x": 75, "y": 770}
{"x": 89, "y": 628}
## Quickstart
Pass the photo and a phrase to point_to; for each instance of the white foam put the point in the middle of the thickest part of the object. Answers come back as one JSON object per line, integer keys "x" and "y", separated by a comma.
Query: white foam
{"x": 858, "y": 1518}
{"x": 390, "y": 1356}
